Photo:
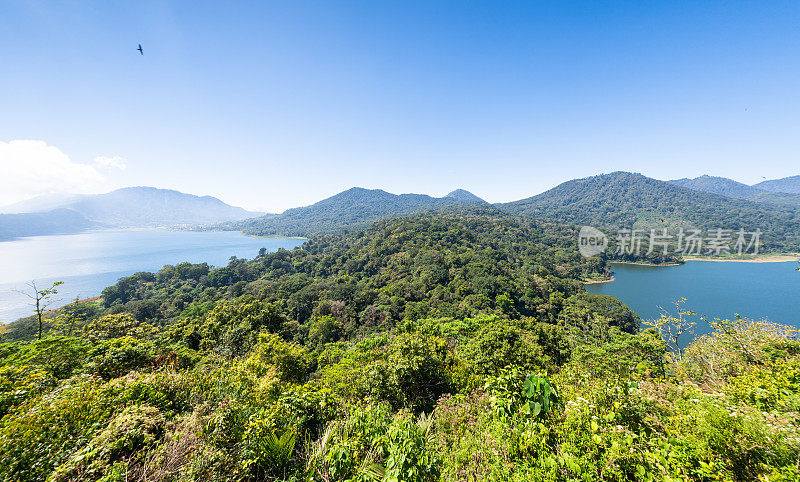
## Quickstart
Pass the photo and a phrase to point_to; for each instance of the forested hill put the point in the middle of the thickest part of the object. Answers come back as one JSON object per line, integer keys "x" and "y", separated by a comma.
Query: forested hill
{"x": 355, "y": 208}
{"x": 623, "y": 199}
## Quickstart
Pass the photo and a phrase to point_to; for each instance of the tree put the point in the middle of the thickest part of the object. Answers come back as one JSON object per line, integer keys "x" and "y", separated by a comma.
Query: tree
{"x": 671, "y": 327}
{"x": 68, "y": 318}
{"x": 41, "y": 300}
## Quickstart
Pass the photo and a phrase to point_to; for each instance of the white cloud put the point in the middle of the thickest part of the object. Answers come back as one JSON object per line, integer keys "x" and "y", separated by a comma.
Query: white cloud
{"x": 29, "y": 168}
{"x": 109, "y": 162}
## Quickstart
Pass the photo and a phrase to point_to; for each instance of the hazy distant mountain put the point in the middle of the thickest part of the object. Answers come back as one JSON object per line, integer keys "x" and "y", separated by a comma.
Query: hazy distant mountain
{"x": 127, "y": 207}
{"x": 718, "y": 185}
{"x": 57, "y": 221}
{"x": 354, "y": 208}
{"x": 140, "y": 207}
{"x": 149, "y": 206}
{"x": 624, "y": 199}
{"x": 45, "y": 202}
{"x": 787, "y": 184}
{"x": 731, "y": 188}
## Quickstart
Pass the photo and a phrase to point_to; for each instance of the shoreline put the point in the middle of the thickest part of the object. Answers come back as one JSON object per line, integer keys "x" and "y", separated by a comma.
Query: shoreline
{"x": 766, "y": 258}
{"x": 271, "y": 236}
{"x": 646, "y": 264}
{"x": 598, "y": 281}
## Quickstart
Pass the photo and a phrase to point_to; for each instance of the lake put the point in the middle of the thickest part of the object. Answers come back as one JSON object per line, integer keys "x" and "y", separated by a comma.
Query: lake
{"x": 714, "y": 289}
{"x": 89, "y": 262}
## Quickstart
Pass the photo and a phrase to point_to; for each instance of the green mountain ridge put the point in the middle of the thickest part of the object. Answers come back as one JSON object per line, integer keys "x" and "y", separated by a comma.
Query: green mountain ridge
{"x": 718, "y": 185}
{"x": 787, "y": 184}
{"x": 354, "y": 208}
{"x": 631, "y": 200}
{"x": 619, "y": 199}
{"x": 731, "y": 188}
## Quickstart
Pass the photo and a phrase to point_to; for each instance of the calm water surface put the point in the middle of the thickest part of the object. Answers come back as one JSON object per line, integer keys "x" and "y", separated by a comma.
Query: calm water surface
{"x": 88, "y": 262}
{"x": 714, "y": 289}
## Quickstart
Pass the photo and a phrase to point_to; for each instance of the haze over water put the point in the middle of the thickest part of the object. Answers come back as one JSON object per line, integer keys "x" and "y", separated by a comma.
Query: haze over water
{"x": 89, "y": 262}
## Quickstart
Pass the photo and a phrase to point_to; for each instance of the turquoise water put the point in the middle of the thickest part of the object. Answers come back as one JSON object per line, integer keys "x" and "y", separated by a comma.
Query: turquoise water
{"x": 714, "y": 289}
{"x": 88, "y": 262}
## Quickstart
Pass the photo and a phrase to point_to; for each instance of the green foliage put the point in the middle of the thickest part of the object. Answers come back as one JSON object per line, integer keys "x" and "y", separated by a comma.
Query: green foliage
{"x": 114, "y": 358}
{"x": 406, "y": 371}
{"x": 270, "y": 454}
{"x": 291, "y": 361}
{"x": 581, "y": 310}
{"x": 19, "y": 383}
{"x": 410, "y": 450}
{"x": 126, "y": 437}
{"x": 351, "y": 448}
{"x": 541, "y": 395}
{"x": 60, "y": 356}
{"x": 621, "y": 355}
{"x": 325, "y": 329}
{"x": 110, "y": 326}
{"x": 499, "y": 345}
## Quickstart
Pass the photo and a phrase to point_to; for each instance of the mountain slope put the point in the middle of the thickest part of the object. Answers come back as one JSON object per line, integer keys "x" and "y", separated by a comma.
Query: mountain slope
{"x": 57, "y": 221}
{"x": 718, "y": 185}
{"x": 623, "y": 199}
{"x": 355, "y": 208}
{"x": 787, "y": 184}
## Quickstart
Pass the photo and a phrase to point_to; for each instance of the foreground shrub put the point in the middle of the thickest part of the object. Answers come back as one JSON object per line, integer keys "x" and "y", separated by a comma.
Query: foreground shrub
{"x": 124, "y": 440}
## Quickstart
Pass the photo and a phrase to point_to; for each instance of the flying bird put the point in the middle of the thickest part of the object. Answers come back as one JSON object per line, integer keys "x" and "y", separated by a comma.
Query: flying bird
{"x": 140, "y": 49}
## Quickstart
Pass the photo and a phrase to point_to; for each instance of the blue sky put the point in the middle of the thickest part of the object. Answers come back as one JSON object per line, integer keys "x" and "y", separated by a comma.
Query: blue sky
{"x": 271, "y": 105}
